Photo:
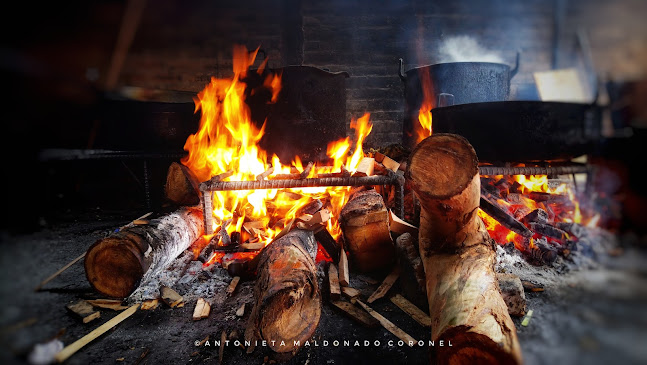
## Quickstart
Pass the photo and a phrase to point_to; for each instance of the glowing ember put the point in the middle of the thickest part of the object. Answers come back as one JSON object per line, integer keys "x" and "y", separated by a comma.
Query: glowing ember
{"x": 521, "y": 195}
{"x": 227, "y": 139}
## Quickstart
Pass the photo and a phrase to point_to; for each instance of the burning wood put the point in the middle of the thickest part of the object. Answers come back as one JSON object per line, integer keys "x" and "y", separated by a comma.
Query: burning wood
{"x": 465, "y": 304}
{"x": 116, "y": 265}
{"x": 288, "y": 301}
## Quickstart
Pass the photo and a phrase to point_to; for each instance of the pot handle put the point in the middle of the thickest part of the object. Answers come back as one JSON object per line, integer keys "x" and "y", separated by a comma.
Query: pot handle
{"x": 516, "y": 65}
{"x": 401, "y": 73}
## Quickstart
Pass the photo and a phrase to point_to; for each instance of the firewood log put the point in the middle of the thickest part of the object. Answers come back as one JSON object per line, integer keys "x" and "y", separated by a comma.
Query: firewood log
{"x": 115, "y": 265}
{"x": 365, "y": 223}
{"x": 465, "y": 304}
{"x": 181, "y": 186}
{"x": 287, "y": 297}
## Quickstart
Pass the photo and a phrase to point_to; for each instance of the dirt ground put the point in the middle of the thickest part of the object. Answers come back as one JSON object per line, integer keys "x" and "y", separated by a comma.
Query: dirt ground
{"x": 590, "y": 315}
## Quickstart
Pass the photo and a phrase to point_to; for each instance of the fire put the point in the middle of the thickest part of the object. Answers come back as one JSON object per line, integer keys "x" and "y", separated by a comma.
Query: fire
{"x": 567, "y": 211}
{"x": 424, "y": 128}
{"x": 227, "y": 140}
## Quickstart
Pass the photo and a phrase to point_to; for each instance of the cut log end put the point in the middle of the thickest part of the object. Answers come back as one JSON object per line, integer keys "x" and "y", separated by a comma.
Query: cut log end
{"x": 442, "y": 166}
{"x": 114, "y": 267}
{"x": 289, "y": 319}
{"x": 471, "y": 348}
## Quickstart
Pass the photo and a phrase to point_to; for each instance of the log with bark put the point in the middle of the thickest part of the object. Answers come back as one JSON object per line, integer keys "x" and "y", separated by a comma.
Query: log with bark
{"x": 182, "y": 186}
{"x": 465, "y": 304}
{"x": 287, "y": 297}
{"x": 116, "y": 265}
{"x": 365, "y": 223}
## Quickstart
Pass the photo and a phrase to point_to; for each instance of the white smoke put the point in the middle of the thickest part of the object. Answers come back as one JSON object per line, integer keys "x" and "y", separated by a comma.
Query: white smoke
{"x": 465, "y": 49}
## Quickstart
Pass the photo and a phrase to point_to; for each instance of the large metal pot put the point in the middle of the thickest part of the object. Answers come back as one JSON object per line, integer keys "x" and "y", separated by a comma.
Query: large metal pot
{"x": 518, "y": 131}
{"x": 310, "y": 111}
{"x": 467, "y": 82}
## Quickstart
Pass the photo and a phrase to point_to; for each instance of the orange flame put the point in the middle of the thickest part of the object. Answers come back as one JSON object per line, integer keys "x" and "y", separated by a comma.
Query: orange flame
{"x": 533, "y": 183}
{"x": 227, "y": 139}
{"x": 424, "y": 128}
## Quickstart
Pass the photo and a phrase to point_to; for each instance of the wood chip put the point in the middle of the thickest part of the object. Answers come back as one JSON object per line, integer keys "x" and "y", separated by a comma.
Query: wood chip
{"x": 398, "y": 225}
{"x": 344, "y": 278}
{"x": 83, "y": 310}
{"x": 201, "y": 310}
{"x": 241, "y": 311}
{"x": 355, "y": 313}
{"x": 114, "y": 304}
{"x": 365, "y": 167}
{"x": 232, "y": 285}
{"x": 389, "y": 325}
{"x": 350, "y": 293}
{"x": 250, "y": 226}
{"x": 80, "y": 343}
{"x": 171, "y": 297}
{"x": 150, "y": 304}
{"x": 387, "y": 162}
{"x": 333, "y": 280}
{"x": 386, "y": 285}
{"x": 409, "y": 308}
{"x": 253, "y": 246}
{"x": 140, "y": 222}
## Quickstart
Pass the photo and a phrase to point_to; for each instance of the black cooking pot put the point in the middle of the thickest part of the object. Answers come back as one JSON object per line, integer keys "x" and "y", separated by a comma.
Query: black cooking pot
{"x": 465, "y": 82}
{"x": 309, "y": 113}
{"x": 517, "y": 131}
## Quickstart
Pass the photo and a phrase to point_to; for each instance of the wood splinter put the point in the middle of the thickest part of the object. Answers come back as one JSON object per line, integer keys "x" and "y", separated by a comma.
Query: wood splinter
{"x": 201, "y": 310}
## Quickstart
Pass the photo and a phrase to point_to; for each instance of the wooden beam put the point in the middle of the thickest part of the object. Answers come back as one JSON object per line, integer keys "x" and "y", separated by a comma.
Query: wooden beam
{"x": 354, "y": 313}
{"x": 409, "y": 308}
{"x": 399, "y": 333}
{"x": 386, "y": 285}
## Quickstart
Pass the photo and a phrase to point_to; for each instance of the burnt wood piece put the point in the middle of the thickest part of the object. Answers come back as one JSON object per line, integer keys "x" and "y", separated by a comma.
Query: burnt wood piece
{"x": 465, "y": 304}
{"x": 182, "y": 186}
{"x": 365, "y": 223}
{"x": 548, "y": 231}
{"x": 311, "y": 208}
{"x": 542, "y": 252}
{"x": 328, "y": 243}
{"x": 536, "y": 216}
{"x": 501, "y": 216}
{"x": 115, "y": 265}
{"x": 539, "y": 196}
{"x": 306, "y": 171}
{"x": 287, "y": 296}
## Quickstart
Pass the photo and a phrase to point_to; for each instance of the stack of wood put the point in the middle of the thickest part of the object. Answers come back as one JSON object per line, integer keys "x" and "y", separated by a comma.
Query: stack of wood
{"x": 458, "y": 255}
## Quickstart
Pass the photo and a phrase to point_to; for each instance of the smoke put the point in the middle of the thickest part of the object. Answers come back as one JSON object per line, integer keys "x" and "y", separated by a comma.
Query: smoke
{"x": 465, "y": 49}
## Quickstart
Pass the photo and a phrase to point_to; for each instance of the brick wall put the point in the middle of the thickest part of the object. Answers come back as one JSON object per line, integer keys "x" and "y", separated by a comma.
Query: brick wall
{"x": 178, "y": 47}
